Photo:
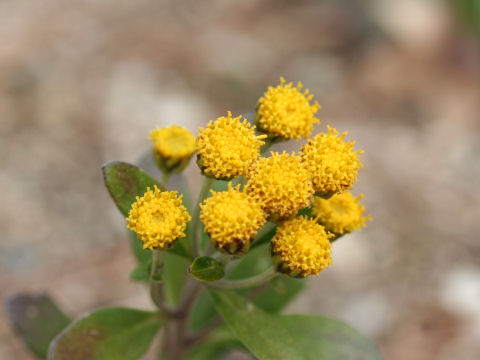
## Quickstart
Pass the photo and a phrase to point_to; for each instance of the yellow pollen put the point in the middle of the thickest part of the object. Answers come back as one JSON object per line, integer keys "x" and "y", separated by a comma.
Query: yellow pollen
{"x": 174, "y": 141}
{"x": 284, "y": 111}
{"x": 158, "y": 218}
{"x": 231, "y": 216}
{"x": 227, "y": 147}
{"x": 340, "y": 214}
{"x": 281, "y": 184}
{"x": 303, "y": 246}
{"x": 332, "y": 162}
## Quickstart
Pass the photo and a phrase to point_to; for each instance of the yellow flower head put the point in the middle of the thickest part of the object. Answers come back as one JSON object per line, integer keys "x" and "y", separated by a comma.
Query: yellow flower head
{"x": 174, "y": 141}
{"x": 228, "y": 147}
{"x": 340, "y": 214}
{"x": 281, "y": 183}
{"x": 231, "y": 218}
{"x": 285, "y": 111}
{"x": 332, "y": 162}
{"x": 301, "y": 247}
{"x": 158, "y": 218}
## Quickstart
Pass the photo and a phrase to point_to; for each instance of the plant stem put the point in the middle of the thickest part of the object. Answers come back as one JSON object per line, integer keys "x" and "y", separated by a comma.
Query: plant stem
{"x": 253, "y": 281}
{"x": 172, "y": 348}
{"x": 156, "y": 292}
{"x": 175, "y": 341}
{"x": 188, "y": 299}
{"x": 207, "y": 182}
{"x": 165, "y": 178}
{"x": 202, "y": 334}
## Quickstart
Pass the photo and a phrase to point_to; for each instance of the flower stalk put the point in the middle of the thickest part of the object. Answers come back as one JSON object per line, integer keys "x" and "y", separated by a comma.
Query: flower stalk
{"x": 254, "y": 281}
{"x": 194, "y": 235}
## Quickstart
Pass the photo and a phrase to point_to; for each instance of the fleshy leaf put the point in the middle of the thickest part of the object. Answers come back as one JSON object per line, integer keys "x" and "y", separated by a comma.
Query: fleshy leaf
{"x": 108, "y": 334}
{"x": 37, "y": 320}
{"x": 290, "y": 337}
{"x": 208, "y": 269}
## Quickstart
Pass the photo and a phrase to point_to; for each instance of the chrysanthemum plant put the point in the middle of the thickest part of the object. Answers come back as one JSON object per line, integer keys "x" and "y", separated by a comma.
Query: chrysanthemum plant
{"x": 220, "y": 270}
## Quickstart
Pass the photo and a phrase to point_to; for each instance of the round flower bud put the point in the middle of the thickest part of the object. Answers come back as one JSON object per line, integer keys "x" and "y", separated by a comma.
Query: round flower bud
{"x": 281, "y": 184}
{"x": 227, "y": 147}
{"x": 172, "y": 147}
{"x": 340, "y": 214}
{"x": 301, "y": 247}
{"x": 333, "y": 164}
{"x": 285, "y": 112}
{"x": 232, "y": 219}
{"x": 158, "y": 218}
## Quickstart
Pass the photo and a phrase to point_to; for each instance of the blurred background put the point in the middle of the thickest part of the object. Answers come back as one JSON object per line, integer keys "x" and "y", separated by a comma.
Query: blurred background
{"x": 83, "y": 82}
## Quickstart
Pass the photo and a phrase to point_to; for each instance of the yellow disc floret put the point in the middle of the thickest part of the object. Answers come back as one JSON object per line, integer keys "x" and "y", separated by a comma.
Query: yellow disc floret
{"x": 174, "y": 141}
{"x": 281, "y": 183}
{"x": 285, "y": 111}
{"x": 231, "y": 218}
{"x": 301, "y": 247}
{"x": 332, "y": 162}
{"x": 227, "y": 147}
{"x": 158, "y": 218}
{"x": 340, "y": 214}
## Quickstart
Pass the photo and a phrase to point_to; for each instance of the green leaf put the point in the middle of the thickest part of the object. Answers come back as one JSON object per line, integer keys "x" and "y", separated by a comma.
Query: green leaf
{"x": 141, "y": 255}
{"x": 205, "y": 268}
{"x": 108, "y": 334}
{"x": 468, "y": 12}
{"x": 219, "y": 342}
{"x": 125, "y": 182}
{"x": 203, "y": 312}
{"x": 141, "y": 272}
{"x": 279, "y": 293}
{"x": 36, "y": 319}
{"x": 290, "y": 337}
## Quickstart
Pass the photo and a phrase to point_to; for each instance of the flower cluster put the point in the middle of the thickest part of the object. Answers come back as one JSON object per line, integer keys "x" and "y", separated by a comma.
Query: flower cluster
{"x": 274, "y": 188}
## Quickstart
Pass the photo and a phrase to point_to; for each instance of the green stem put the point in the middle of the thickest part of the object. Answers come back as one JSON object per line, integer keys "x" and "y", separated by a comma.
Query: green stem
{"x": 207, "y": 182}
{"x": 156, "y": 291}
{"x": 253, "y": 281}
{"x": 165, "y": 178}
